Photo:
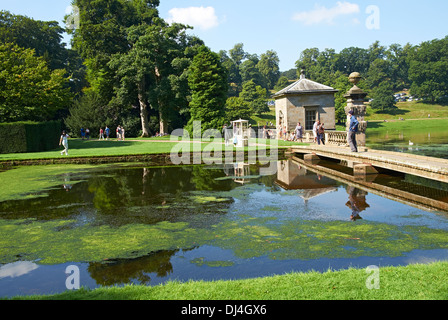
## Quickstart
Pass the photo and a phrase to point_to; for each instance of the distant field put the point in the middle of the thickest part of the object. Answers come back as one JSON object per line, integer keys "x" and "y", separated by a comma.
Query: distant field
{"x": 264, "y": 118}
{"x": 410, "y": 110}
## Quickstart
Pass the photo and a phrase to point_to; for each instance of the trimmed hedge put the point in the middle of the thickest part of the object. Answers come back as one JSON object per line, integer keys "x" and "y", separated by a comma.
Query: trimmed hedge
{"x": 19, "y": 137}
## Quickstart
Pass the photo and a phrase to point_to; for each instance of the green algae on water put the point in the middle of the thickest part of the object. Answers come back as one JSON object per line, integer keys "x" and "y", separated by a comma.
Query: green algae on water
{"x": 51, "y": 243}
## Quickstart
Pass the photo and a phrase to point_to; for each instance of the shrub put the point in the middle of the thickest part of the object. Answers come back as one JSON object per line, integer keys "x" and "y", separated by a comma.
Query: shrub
{"x": 18, "y": 137}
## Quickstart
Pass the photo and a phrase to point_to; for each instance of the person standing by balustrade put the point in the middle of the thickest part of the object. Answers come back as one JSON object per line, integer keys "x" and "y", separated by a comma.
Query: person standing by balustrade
{"x": 352, "y": 130}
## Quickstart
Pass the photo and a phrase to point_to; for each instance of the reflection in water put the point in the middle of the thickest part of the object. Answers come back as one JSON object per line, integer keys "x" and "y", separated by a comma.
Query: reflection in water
{"x": 129, "y": 271}
{"x": 165, "y": 217}
{"x": 67, "y": 186}
{"x": 424, "y": 142}
{"x": 17, "y": 269}
{"x": 239, "y": 172}
{"x": 292, "y": 176}
{"x": 356, "y": 202}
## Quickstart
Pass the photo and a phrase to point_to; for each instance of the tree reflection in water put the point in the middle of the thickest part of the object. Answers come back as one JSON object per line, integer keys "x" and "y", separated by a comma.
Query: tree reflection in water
{"x": 132, "y": 270}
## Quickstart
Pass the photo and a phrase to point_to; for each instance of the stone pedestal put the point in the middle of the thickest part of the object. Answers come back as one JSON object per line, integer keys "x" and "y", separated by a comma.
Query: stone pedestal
{"x": 355, "y": 101}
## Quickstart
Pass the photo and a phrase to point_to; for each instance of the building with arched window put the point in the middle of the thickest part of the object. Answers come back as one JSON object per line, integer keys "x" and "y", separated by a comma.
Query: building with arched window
{"x": 305, "y": 101}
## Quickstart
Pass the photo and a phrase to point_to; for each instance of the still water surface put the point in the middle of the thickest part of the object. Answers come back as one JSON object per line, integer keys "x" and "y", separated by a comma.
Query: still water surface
{"x": 425, "y": 141}
{"x": 122, "y": 224}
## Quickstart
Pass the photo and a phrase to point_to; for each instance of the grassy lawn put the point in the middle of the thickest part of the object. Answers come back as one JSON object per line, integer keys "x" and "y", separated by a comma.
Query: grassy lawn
{"x": 263, "y": 118}
{"x": 132, "y": 146}
{"x": 95, "y": 148}
{"x": 413, "y": 125}
{"x": 410, "y": 110}
{"x": 162, "y": 145}
{"x": 412, "y": 282}
{"x": 412, "y": 113}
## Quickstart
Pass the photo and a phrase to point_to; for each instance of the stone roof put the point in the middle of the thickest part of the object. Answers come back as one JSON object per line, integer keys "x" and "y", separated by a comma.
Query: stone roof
{"x": 304, "y": 86}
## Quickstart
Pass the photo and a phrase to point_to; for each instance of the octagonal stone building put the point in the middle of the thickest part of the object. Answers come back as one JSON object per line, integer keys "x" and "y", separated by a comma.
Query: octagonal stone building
{"x": 305, "y": 101}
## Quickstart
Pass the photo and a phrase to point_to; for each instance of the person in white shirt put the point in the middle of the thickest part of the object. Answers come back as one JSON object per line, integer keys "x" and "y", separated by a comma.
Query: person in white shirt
{"x": 64, "y": 141}
{"x": 316, "y": 124}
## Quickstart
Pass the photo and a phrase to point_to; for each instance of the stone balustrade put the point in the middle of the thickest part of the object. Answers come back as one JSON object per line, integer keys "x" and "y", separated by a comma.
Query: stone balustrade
{"x": 336, "y": 138}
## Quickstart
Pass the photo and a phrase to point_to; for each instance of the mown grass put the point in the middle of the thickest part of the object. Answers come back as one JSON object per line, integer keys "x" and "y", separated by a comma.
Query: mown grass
{"x": 410, "y": 110}
{"x": 388, "y": 124}
{"x": 412, "y": 282}
{"x": 132, "y": 146}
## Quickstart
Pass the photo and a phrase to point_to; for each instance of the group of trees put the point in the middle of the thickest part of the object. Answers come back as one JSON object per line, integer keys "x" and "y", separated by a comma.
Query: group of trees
{"x": 421, "y": 68}
{"x": 38, "y": 75}
{"x": 129, "y": 67}
{"x": 250, "y": 80}
{"x": 139, "y": 65}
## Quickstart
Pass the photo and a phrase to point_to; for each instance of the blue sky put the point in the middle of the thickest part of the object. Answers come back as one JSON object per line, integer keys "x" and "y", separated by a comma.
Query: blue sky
{"x": 286, "y": 26}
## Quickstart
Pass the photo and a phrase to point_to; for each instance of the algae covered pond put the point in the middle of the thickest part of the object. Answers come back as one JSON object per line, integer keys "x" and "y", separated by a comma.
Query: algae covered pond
{"x": 130, "y": 223}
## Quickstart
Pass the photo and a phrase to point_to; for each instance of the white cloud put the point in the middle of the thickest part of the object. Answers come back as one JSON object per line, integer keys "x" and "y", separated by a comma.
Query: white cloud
{"x": 322, "y": 14}
{"x": 200, "y": 17}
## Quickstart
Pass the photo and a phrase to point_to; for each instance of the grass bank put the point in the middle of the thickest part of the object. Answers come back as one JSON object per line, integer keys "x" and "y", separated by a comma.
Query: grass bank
{"x": 410, "y": 110}
{"x": 425, "y": 124}
{"x": 412, "y": 282}
{"x": 113, "y": 149}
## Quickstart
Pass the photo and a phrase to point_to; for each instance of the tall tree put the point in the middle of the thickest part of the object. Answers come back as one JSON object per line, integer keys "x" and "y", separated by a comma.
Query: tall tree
{"x": 249, "y": 71}
{"x": 308, "y": 62}
{"x": 398, "y": 57}
{"x": 134, "y": 58}
{"x": 234, "y": 77}
{"x": 28, "y": 89}
{"x": 208, "y": 85}
{"x": 268, "y": 66}
{"x": 383, "y": 97}
{"x": 380, "y": 71}
{"x": 144, "y": 73}
{"x": 353, "y": 59}
{"x": 45, "y": 37}
{"x": 238, "y": 54}
{"x": 103, "y": 32}
{"x": 428, "y": 69}
{"x": 255, "y": 96}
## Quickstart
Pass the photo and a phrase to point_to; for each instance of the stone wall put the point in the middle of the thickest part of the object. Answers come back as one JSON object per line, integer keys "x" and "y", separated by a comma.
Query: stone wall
{"x": 293, "y": 108}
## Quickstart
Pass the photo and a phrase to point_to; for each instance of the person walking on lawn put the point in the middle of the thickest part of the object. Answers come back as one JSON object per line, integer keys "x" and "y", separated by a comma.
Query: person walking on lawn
{"x": 64, "y": 142}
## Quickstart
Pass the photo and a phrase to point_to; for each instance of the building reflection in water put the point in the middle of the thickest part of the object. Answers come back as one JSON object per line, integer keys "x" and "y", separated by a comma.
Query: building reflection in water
{"x": 293, "y": 176}
{"x": 239, "y": 172}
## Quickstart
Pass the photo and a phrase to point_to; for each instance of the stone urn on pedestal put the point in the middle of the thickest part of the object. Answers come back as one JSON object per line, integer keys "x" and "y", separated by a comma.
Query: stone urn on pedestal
{"x": 355, "y": 101}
